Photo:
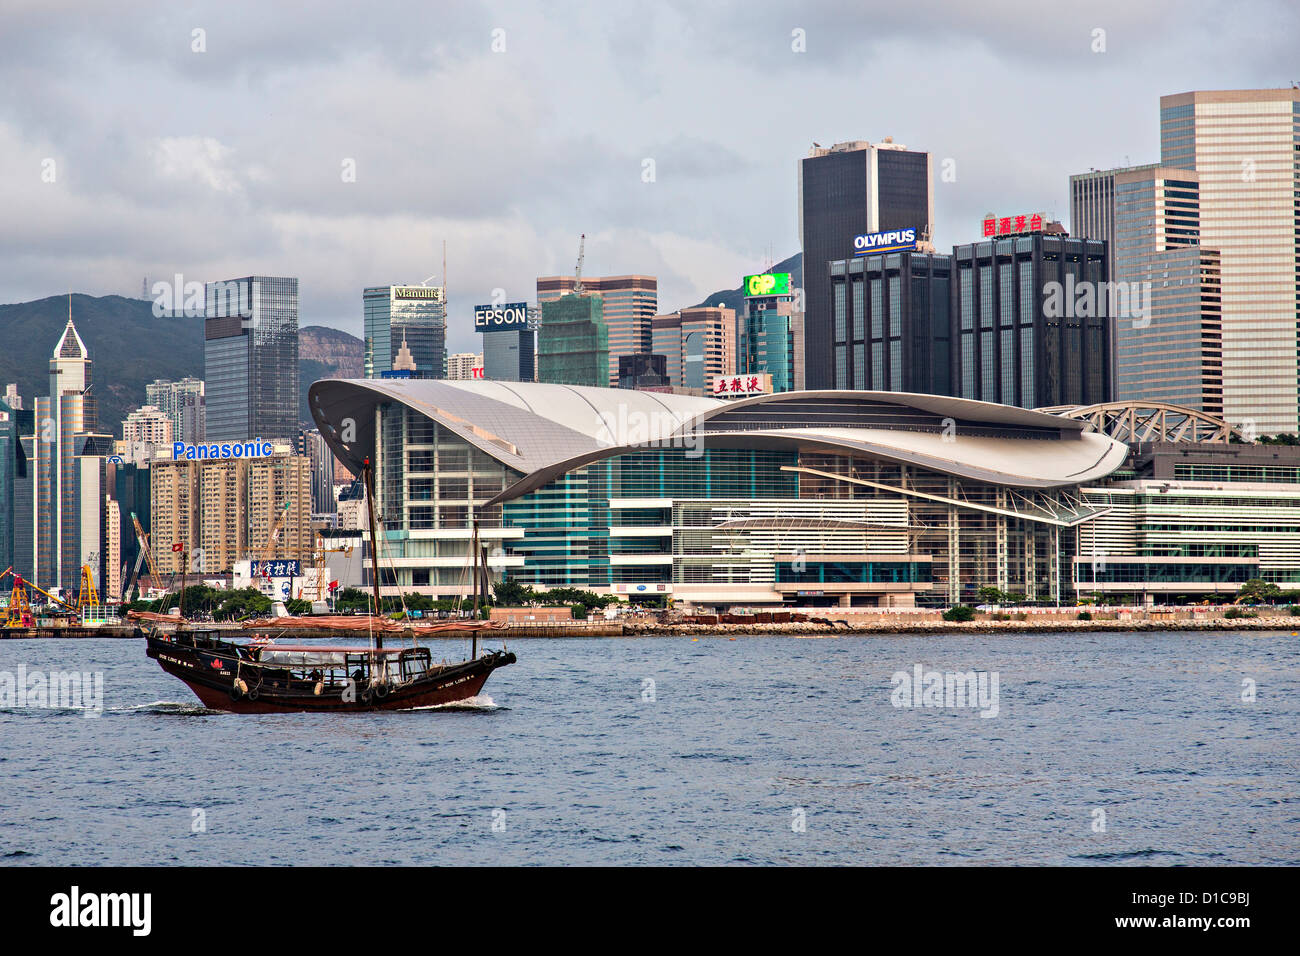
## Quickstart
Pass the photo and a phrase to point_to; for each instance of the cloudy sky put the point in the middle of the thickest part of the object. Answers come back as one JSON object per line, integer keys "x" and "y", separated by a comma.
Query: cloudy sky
{"x": 216, "y": 139}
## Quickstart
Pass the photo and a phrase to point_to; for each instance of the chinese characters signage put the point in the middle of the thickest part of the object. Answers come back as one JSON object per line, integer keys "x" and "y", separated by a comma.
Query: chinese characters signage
{"x": 1013, "y": 225}
{"x": 276, "y": 569}
{"x": 740, "y": 386}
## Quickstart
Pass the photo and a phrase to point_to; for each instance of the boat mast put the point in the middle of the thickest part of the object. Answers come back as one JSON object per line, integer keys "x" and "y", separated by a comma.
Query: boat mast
{"x": 368, "y": 474}
{"x": 474, "y": 633}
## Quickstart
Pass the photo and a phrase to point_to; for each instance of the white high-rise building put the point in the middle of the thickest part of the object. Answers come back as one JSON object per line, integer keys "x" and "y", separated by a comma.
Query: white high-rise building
{"x": 1242, "y": 145}
{"x": 461, "y": 365}
{"x": 148, "y": 423}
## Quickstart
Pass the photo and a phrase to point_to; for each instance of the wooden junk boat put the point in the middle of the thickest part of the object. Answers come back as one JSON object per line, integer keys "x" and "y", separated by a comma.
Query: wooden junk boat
{"x": 266, "y": 678}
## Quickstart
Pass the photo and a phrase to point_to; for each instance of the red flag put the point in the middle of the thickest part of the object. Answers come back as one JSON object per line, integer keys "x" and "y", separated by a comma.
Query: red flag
{"x": 178, "y": 546}
{"x": 334, "y": 585}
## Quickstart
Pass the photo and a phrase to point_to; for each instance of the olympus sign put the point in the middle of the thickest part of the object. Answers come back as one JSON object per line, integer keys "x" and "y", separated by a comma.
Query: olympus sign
{"x": 897, "y": 240}
{"x": 493, "y": 318}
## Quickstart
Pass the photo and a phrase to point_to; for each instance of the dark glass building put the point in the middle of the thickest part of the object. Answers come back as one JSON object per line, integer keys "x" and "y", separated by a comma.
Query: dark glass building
{"x": 891, "y": 326}
{"x": 509, "y": 355}
{"x": 643, "y": 370}
{"x": 250, "y": 359}
{"x": 845, "y": 191}
{"x": 1029, "y": 321}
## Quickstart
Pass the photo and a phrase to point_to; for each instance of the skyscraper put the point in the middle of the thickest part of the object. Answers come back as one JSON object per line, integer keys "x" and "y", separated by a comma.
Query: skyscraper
{"x": 892, "y": 318}
{"x": 698, "y": 344}
{"x": 58, "y": 496}
{"x": 628, "y": 305}
{"x": 1173, "y": 350}
{"x": 416, "y": 314}
{"x": 769, "y": 338}
{"x": 1020, "y": 334}
{"x": 1242, "y": 145}
{"x": 844, "y": 191}
{"x": 573, "y": 342}
{"x": 251, "y": 359}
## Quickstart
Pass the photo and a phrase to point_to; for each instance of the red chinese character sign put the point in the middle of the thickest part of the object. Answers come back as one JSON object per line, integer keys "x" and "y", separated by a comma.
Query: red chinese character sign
{"x": 1013, "y": 225}
{"x": 741, "y": 386}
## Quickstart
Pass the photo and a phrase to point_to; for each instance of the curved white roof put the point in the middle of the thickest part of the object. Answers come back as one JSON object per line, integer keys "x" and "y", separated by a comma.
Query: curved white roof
{"x": 543, "y": 430}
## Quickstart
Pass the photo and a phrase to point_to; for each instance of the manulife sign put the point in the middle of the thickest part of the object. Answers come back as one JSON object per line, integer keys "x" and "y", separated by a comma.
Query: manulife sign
{"x": 767, "y": 283}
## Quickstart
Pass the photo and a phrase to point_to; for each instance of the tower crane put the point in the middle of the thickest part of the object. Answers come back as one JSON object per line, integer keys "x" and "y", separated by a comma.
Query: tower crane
{"x": 577, "y": 280}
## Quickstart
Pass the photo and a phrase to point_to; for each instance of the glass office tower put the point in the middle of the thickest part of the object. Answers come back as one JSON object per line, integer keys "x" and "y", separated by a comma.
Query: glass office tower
{"x": 251, "y": 359}
{"x": 844, "y": 191}
{"x": 1173, "y": 352}
{"x": 1243, "y": 146}
{"x": 891, "y": 322}
{"x": 415, "y": 313}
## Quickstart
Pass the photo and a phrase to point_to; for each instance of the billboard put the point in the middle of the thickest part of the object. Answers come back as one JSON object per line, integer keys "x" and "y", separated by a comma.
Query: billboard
{"x": 896, "y": 240}
{"x": 249, "y": 449}
{"x": 275, "y": 569}
{"x": 499, "y": 318}
{"x": 766, "y": 283}
{"x": 1014, "y": 225}
{"x": 418, "y": 292}
{"x": 740, "y": 386}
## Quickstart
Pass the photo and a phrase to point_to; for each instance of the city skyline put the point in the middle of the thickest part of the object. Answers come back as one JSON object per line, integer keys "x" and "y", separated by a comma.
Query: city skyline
{"x": 712, "y": 211}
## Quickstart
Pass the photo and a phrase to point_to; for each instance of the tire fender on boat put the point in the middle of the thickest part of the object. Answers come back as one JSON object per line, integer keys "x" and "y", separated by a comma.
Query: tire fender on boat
{"x": 238, "y": 689}
{"x": 381, "y": 691}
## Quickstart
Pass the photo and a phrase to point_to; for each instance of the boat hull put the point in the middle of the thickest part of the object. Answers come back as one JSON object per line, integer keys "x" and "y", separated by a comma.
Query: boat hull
{"x": 216, "y": 686}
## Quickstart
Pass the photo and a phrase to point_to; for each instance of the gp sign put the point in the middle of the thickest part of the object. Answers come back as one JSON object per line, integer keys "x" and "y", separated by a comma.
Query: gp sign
{"x": 492, "y": 318}
{"x": 767, "y": 283}
{"x": 897, "y": 240}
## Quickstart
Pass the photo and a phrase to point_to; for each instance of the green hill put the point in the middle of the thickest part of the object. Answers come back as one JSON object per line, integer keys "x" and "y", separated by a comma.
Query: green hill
{"x": 130, "y": 348}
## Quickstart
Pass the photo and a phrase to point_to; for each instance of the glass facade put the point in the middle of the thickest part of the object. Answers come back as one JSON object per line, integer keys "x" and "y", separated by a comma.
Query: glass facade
{"x": 844, "y": 191}
{"x": 1242, "y": 145}
{"x": 1032, "y": 323}
{"x": 416, "y": 315}
{"x": 251, "y": 359}
{"x": 896, "y": 323}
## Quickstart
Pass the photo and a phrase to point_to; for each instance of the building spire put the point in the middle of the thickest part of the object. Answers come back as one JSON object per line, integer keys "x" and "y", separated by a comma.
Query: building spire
{"x": 70, "y": 345}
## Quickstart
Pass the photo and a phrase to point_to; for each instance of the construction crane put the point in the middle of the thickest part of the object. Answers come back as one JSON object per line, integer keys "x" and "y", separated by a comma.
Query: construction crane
{"x": 577, "y": 278}
{"x": 87, "y": 596}
{"x": 144, "y": 548}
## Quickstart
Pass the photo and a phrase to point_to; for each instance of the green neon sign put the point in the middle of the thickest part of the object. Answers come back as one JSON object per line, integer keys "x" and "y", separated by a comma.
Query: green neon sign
{"x": 767, "y": 283}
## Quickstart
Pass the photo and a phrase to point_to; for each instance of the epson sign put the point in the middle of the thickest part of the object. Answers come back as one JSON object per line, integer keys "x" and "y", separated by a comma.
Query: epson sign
{"x": 494, "y": 318}
{"x": 897, "y": 240}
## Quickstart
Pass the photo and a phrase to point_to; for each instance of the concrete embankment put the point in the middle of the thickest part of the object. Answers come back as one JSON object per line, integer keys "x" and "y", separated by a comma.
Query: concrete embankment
{"x": 834, "y": 628}
{"x": 788, "y": 629}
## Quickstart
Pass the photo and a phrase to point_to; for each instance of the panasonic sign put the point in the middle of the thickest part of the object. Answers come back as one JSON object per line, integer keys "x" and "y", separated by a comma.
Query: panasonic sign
{"x": 897, "y": 240}
{"x": 496, "y": 318}
{"x": 181, "y": 451}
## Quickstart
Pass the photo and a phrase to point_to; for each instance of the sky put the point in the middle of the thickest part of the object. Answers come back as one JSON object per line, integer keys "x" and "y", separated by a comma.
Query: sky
{"x": 343, "y": 143}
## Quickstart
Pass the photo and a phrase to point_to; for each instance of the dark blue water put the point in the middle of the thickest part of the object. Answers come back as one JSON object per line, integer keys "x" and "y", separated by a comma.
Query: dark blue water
{"x": 1149, "y": 728}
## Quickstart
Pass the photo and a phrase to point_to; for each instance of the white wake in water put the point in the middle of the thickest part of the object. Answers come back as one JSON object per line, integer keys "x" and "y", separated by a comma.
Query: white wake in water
{"x": 164, "y": 707}
{"x": 481, "y": 702}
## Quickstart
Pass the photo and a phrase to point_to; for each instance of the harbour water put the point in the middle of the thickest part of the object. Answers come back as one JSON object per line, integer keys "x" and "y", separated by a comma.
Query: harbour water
{"x": 1123, "y": 748}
